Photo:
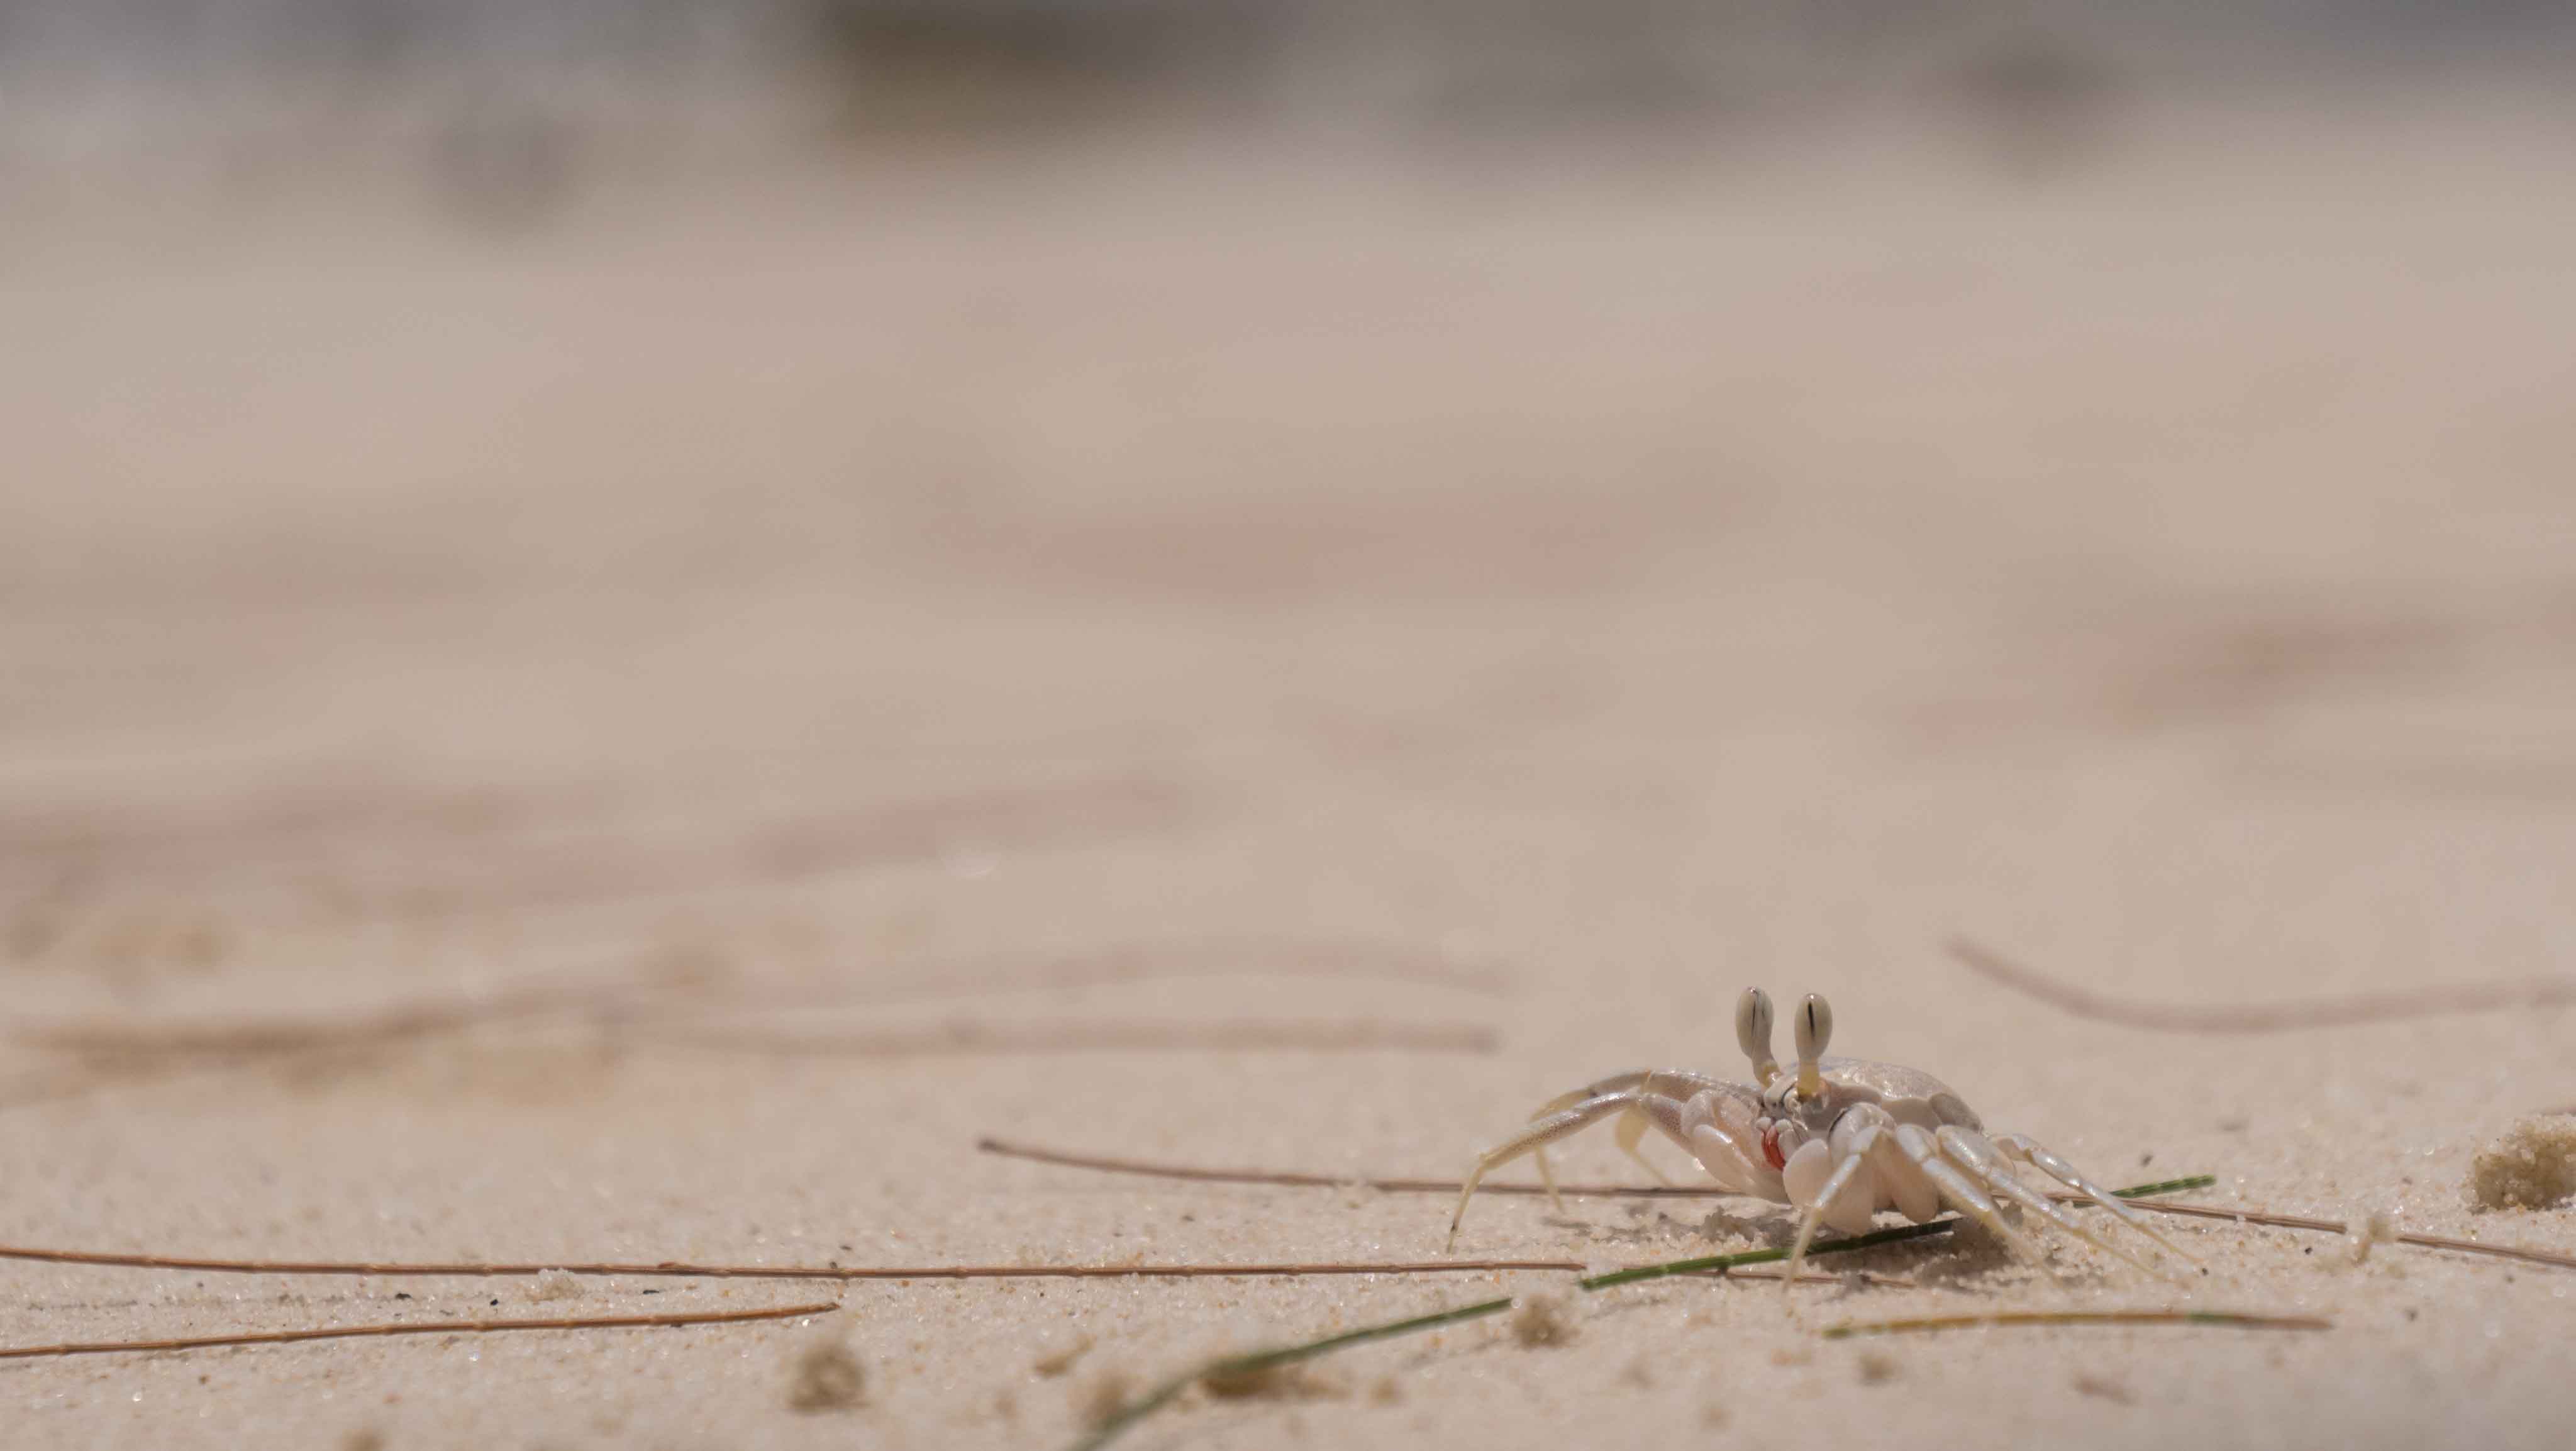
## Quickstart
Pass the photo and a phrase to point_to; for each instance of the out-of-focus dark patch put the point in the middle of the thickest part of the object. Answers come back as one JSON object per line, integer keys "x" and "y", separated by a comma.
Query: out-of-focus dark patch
{"x": 504, "y": 163}
{"x": 2180, "y": 666}
{"x": 915, "y": 66}
{"x": 1502, "y": 71}
{"x": 2244, "y": 666}
{"x": 2044, "y": 106}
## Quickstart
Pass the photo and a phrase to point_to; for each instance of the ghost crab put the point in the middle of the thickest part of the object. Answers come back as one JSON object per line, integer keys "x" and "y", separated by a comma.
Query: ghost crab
{"x": 1839, "y": 1138}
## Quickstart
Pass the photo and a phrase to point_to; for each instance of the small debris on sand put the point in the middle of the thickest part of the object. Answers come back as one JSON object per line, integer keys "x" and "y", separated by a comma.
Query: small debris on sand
{"x": 1101, "y": 1398}
{"x": 1056, "y": 1359}
{"x": 1273, "y": 1382}
{"x": 827, "y": 1377}
{"x": 1733, "y": 1229}
{"x": 2361, "y": 1231}
{"x": 2532, "y": 1167}
{"x": 2103, "y": 1388}
{"x": 1543, "y": 1319}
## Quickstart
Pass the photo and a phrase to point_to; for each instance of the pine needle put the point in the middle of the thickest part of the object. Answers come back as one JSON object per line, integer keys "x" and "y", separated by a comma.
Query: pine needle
{"x": 675, "y": 1269}
{"x": 1313, "y": 1035}
{"x": 2336, "y": 1226}
{"x": 2000, "y": 1318}
{"x": 1108, "y": 1164}
{"x": 1296, "y": 1179}
{"x": 418, "y": 1327}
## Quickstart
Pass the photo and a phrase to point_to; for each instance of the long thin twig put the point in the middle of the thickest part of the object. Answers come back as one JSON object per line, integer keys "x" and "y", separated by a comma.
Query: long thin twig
{"x": 968, "y": 1036}
{"x": 667, "y": 1270}
{"x": 421, "y": 1327}
{"x": 1300, "y": 1180}
{"x": 1450, "y": 1186}
{"x": 1239, "y": 955}
{"x": 1294, "y": 1179}
{"x": 2239, "y": 1319}
{"x": 2486, "y": 997}
{"x": 674, "y": 1269}
{"x": 2337, "y": 1226}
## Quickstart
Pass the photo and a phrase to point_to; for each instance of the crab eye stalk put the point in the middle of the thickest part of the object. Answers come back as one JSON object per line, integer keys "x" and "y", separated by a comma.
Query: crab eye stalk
{"x": 1814, "y": 1025}
{"x": 1753, "y": 1034}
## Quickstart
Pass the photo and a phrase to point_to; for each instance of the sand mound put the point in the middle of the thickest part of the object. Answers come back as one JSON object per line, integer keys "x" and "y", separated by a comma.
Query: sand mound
{"x": 2532, "y": 1167}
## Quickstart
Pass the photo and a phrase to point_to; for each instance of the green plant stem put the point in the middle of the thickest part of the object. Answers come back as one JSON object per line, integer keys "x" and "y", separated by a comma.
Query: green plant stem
{"x": 1722, "y": 1263}
{"x": 1260, "y": 1360}
{"x": 2163, "y": 1186}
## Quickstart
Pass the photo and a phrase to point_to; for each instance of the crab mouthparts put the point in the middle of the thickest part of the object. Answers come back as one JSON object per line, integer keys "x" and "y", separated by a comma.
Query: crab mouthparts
{"x": 1771, "y": 1148}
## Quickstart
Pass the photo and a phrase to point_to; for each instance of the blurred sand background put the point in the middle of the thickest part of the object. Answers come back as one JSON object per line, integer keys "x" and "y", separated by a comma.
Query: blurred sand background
{"x": 1342, "y": 526}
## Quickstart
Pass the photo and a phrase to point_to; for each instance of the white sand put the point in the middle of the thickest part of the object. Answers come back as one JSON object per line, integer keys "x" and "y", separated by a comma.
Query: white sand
{"x": 1651, "y": 581}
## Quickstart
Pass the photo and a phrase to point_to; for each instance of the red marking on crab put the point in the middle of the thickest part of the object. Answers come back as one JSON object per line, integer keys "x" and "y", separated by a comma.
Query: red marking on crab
{"x": 1771, "y": 1148}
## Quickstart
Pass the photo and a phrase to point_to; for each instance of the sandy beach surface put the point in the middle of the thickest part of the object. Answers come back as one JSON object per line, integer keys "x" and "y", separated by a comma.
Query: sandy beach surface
{"x": 644, "y": 741}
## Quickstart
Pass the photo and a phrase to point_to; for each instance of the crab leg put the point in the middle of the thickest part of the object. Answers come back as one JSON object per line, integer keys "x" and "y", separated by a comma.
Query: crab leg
{"x": 1718, "y": 1152}
{"x": 1632, "y": 1126}
{"x": 1924, "y": 1153}
{"x": 1868, "y": 1144}
{"x": 1635, "y": 1079}
{"x": 1537, "y": 1136}
{"x": 1986, "y": 1162}
{"x": 2022, "y": 1148}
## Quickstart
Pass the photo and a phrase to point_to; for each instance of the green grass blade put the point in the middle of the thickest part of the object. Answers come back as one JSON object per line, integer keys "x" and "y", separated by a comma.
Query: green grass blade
{"x": 2165, "y": 1186}
{"x": 1290, "y": 1355}
{"x": 1707, "y": 1263}
{"x": 1259, "y": 1360}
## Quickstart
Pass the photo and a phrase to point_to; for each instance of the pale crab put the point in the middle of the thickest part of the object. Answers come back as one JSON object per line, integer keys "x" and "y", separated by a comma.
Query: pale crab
{"x": 1839, "y": 1138}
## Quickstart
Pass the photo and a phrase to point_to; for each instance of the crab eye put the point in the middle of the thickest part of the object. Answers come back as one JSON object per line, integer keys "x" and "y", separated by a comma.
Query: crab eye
{"x": 1815, "y": 1025}
{"x": 1753, "y": 1033}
